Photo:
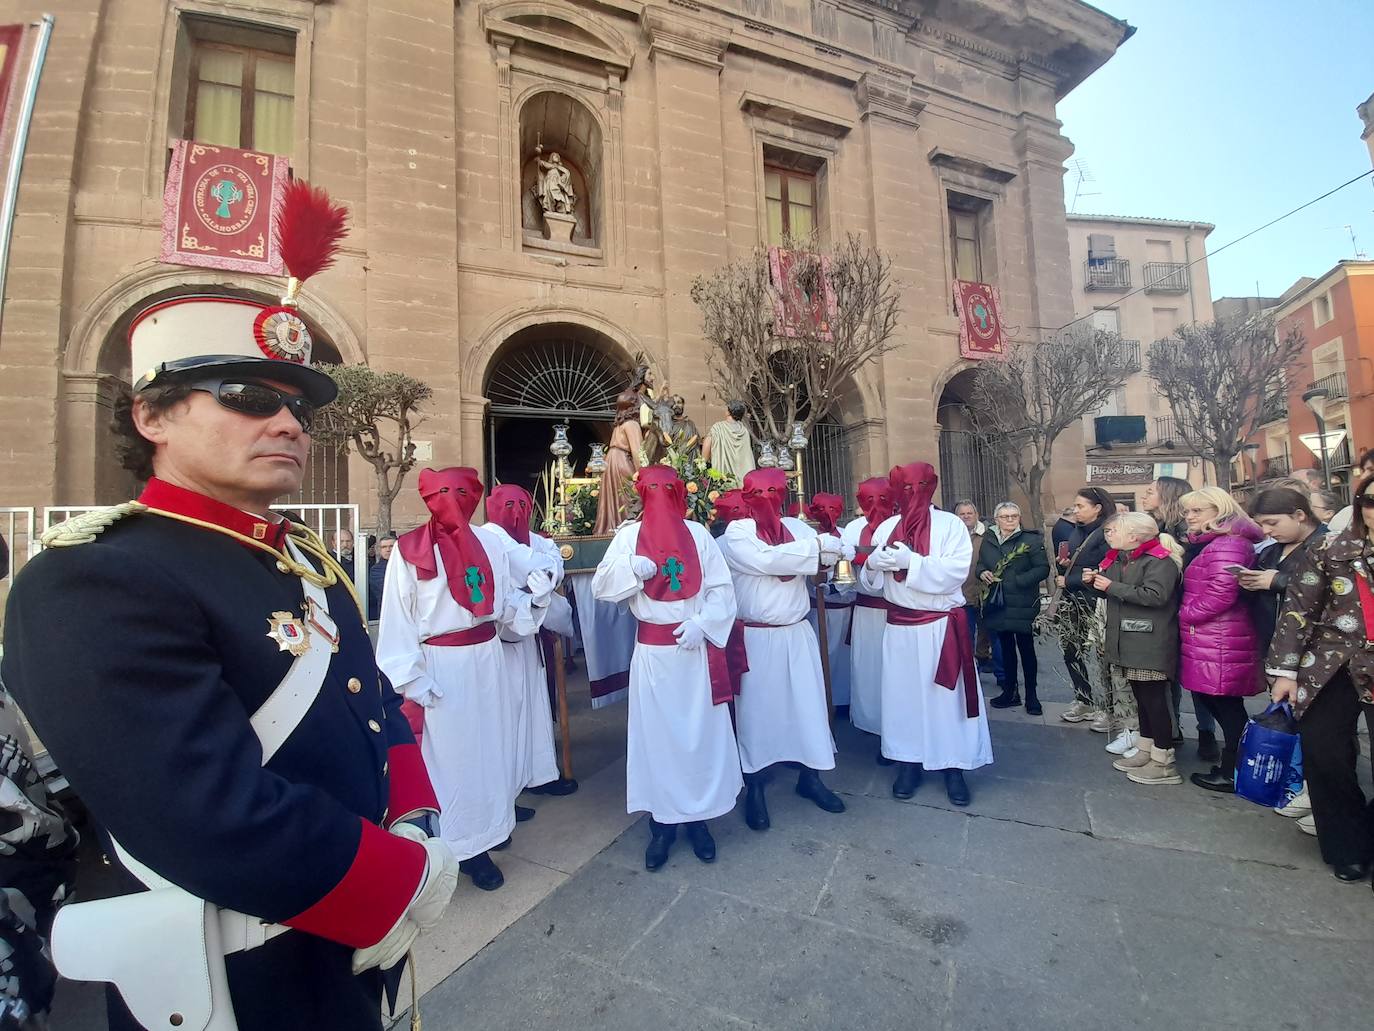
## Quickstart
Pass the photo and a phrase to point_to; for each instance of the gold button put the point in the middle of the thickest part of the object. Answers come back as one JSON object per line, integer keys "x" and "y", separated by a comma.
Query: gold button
{"x": 354, "y": 685}
{"x": 376, "y": 727}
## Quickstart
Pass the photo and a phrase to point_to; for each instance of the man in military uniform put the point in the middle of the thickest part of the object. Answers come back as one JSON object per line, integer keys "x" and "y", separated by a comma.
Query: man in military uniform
{"x": 198, "y": 668}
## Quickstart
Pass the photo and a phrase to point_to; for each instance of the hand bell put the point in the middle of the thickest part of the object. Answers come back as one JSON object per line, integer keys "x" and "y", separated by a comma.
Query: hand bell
{"x": 844, "y": 574}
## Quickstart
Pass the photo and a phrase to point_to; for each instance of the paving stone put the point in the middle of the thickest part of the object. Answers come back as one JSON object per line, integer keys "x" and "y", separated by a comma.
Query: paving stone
{"x": 985, "y": 999}
{"x": 1004, "y": 798}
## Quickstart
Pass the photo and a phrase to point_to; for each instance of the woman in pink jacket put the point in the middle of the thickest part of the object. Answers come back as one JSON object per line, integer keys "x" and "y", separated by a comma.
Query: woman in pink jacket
{"x": 1219, "y": 651}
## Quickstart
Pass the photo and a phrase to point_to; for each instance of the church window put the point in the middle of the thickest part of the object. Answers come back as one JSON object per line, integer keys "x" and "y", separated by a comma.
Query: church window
{"x": 240, "y": 89}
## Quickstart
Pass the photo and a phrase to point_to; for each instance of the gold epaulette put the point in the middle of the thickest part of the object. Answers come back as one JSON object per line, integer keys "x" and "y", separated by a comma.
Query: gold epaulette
{"x": 84, "y": 527}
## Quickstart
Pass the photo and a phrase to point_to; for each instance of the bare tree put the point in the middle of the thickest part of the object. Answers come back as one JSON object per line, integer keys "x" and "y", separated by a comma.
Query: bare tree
{"x": 1021, "y": 403}
{"x": 376, "y": 415}
{"x": 1218, "y": 377}
{"x": 788, "y": 369}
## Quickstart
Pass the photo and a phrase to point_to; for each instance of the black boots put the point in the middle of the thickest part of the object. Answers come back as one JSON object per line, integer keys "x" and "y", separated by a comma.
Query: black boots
{"x": 1221, "y": 778}
{"x": 1207, "y": 748}
{"x": 842, "y": 713}
{"x": 484, "y": 873}
{"x": 662, "y": 836}
{"x": 1009, "y": 698}
{"x": 755, "y": 806}
{"x": 702, "y": 843}
{"x": 561, "y": 786}
{"x": 523, "y": 813}
{"x": 908, "y": 780}
{"x": 809, "y": 785}
{"x": 1033, "y": 707}
{"x": 956, "y": 788}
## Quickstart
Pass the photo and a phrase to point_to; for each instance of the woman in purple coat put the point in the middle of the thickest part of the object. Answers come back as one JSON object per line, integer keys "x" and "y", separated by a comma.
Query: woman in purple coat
{"x": 1219, "y": 651}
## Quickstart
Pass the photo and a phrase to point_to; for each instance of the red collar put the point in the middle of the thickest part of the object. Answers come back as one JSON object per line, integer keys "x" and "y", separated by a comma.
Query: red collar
{"x": 159, "y": 494}
{"x": 1153, "y": 547}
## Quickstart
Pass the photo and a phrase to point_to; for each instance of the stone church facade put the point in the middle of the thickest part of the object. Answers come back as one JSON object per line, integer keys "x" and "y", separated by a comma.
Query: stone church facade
{"x": 689, "y": 132}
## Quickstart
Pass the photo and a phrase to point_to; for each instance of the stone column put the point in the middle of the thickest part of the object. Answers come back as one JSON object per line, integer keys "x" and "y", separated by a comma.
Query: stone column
{"x": 687, "y": 56}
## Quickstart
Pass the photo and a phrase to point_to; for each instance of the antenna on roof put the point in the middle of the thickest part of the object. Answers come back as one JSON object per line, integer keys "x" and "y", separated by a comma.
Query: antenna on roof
{"x": 1081, "y": 173}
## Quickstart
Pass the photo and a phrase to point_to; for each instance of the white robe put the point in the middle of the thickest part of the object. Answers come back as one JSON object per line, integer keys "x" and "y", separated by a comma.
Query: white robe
{"x": 535, "y": 758}
{"x": 781, "y": 714}
{"x": 921, "y": 721}
{"x": 469, "y": 742}
{"x": 866, "y": 649}
{"x": 681, "y": 760}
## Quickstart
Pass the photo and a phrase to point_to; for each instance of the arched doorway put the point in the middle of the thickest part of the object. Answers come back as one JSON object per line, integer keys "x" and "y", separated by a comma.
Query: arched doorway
{"x": 967, "y": 469}
{"x": 544, "y": 376}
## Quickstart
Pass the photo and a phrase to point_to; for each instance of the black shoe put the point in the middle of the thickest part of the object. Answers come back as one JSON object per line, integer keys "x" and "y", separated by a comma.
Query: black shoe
{"x": 908, "y": 780}
{"x": 1033, "y": 707}
{"x": 881, "y": 759}
{"x": 501, "y": 847}
{"x": 523, "y": 813}
{"x": 985, "y": 666}
{"x": 956, "y": 788}
{"x": 484, "y": 873}
{"x": 662, "y": 836}
{"x": 1352, "y": 872}
{"x": 755, "y": 805}
{"x": 702, "y": 843}
{"x": 842, "y": 712}
{"x": 1007, "y": 699}
{"x": 810, "y": 785}
{"x": 561, "y": 786}
{"x": 1217, "y": 780}
{"x": 1207, "y": 748}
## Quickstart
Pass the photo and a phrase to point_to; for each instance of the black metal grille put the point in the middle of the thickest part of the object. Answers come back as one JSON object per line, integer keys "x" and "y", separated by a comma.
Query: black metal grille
{"x": 1165, "y": 277}
{"x": 1106, "y": 274}
{"x": 828, "y": 465}
{"x": 556, "y": 377}
{"x": 969, "y": 470}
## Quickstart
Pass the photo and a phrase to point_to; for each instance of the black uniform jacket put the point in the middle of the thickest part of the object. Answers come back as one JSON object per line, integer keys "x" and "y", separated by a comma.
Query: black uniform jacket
{"x": 139, "y": 658}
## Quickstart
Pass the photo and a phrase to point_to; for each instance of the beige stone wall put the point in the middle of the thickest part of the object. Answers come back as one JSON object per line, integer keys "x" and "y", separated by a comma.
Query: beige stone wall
{"x": 409, "y": 113}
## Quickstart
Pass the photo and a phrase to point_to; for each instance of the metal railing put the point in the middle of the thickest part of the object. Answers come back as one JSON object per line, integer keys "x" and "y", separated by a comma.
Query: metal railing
{"x": 1273, "y": 468}
{"x": 1166, "y": 430}
{"x": 1108, "y": 274}
{"x": 1274, "y": 409}
{"x": 1334, "y": 385}
{"x": 1340, "y": 458}
{"x": 1165, "y": 277}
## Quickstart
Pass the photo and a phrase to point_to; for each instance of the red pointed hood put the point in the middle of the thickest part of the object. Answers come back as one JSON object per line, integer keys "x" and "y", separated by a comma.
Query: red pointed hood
{"x": 731, "y": 506}
{"x": 510, "y": 507}
{"x": 825, "y": 511}
{"x": 875, "y": 502}
{"x": 913, "y": 487}
{"x": 765, "y": 491}
{"x": 452, "y": 496}
{"x": 664, "y": 536}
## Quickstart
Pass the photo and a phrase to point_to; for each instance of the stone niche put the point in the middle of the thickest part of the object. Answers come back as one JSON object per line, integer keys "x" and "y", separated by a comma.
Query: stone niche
{"x": 553, "y": 124}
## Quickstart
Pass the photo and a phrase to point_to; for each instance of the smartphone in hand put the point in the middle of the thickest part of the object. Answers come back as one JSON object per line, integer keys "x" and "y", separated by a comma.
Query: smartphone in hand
{"x": 1235, "y": 570}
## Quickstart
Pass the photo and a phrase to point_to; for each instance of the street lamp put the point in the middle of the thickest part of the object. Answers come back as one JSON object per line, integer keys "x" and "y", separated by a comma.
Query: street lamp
{"x": 1315, "y": 399}
{"x": 1253, "y": 451}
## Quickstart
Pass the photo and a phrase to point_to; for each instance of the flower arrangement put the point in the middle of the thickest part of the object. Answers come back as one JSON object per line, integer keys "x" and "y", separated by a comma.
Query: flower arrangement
{"x": 705, "y": 484}
{"x": 582, "y": 509}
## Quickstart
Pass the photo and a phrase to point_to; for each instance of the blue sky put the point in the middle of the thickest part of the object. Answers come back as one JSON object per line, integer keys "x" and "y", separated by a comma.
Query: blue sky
{"x": 1234, "y": 112}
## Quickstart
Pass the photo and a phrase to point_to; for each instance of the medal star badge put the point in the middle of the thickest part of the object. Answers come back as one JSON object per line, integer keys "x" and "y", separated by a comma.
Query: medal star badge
{"x": 289, "y": 632}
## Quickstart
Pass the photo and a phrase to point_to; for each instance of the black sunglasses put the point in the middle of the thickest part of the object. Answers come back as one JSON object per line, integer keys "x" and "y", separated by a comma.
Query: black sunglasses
{"x": 257, "y": 400}
{"x": 1364, "y": 500}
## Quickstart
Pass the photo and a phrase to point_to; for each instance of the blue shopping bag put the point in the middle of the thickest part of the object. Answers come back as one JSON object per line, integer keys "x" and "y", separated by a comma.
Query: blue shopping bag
{"x": 1265, "y": 759}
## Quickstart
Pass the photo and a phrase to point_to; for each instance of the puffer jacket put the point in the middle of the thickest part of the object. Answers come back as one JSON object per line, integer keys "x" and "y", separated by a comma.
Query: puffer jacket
{"x": 1142, "y": 608}
{"x": 1219, "y": 651}
{"x": 1020, "y": 579}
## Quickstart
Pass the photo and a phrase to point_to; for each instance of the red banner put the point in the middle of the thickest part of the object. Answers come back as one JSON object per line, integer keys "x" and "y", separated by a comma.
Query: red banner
{"x": 218, "y": 206}
{"x": 802, "y": 308}
{"x": 979, "y": 308}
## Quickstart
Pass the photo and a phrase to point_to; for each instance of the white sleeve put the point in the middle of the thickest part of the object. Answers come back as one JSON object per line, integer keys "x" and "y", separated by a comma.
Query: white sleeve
{"x": 548, "y": 549}
{"x": 716, "y": 617}
{"x": 748, "y": 554}
{"x": 946, "y": 568}
{"x": 519, "y": 614}
{"x": 614, "y": 580}
{"x": 398, "y": 633}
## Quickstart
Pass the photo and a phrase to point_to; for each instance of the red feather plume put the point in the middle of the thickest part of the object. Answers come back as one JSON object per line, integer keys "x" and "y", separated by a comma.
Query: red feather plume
{"x": 308, "y": 229}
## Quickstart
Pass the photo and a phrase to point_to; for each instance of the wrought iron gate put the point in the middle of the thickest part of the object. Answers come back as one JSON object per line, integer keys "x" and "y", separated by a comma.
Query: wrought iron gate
{"x": 828, "y": 465}
{"x": 969, "y": 470}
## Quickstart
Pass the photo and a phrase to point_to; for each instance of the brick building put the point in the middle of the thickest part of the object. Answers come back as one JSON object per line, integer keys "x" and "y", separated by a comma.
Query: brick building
{"x": 694, "y": 132}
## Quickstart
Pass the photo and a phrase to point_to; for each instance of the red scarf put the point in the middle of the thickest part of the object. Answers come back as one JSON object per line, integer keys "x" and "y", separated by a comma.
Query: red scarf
{"x": 825, "y": 510}
{"x": 765, "y": 491}
{"x": 664, "y": 536}
{"x": 875, "y": 502}
{"x": 731, "y": 506}
{"x": 509, "y": 507}
{"x": 451, "y": 495}
{"x": 1152, "y": 547}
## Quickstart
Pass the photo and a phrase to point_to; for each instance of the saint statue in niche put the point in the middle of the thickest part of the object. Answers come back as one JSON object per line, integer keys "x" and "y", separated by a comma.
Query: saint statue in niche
{"x": 554, "y": 186}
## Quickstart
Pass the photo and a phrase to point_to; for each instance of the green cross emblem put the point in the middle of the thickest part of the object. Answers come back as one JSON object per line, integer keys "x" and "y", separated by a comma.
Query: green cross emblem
{"x": 672, "y": 569}
{"x": 226, "y": 193}
{"x": 474, "y": 580}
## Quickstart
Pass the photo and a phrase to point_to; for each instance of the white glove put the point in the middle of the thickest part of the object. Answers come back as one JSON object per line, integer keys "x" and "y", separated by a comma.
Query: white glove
{"x": 689, "y": 635}
{"x": 424, "y": 911}
{"x": 901, "y": 555}
{"x": 642, "y": 567}
{"x": 425, "y": 694}
{"x": 540, "y": 584}
{"x": 883, "y": 560}
{"x": 830, "y": 548}
{"x": 847, "y": 551}
{"x": 410, "y": 832}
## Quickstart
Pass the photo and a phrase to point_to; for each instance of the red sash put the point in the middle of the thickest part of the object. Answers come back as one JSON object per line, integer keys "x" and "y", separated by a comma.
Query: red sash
{"x": 724, "y": 666}
{"x": 459, "y": 638}
{"x": 956, "y": 653}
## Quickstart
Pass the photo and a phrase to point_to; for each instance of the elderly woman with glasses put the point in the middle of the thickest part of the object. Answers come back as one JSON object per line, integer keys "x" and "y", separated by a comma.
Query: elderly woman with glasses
{"x": 1322, "y": 661}
{"x": 1011, "y": 566}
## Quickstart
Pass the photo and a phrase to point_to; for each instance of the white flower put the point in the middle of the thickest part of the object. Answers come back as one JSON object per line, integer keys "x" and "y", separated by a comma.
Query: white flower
{"x": 1308, "y": 659}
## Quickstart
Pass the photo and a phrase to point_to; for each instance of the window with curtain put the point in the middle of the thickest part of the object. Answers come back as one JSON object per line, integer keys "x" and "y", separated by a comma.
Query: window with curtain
{"x": 965, "y": 245}
{"x": 791, "y": 202}
{"x": 241, "y": 96}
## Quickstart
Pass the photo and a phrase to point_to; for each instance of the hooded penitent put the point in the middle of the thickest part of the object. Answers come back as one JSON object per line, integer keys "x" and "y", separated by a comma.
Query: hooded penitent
{"x": 452, "y": 495}
{"x": 765, "y": 491}
{"x": 731, "y": 506}
{"x": 825, "y": 511}
{"x": 664, "y": 536}
{"x": 875, "y": 502}
{"x": 510, "y": 507}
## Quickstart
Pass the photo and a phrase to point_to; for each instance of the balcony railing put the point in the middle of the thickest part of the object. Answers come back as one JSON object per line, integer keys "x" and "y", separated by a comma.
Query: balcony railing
{"x": 1334, "y": 385}
{"x": 1127, "y": 352}
{"x": 1275, "y": 408}
{"x": 1275, "y": 467}
{"x": 1340, "y": 457}
{"x": 1165, "y": 277}
{"x": 1166, "y": 431}
{"x": 1108, "y": 274}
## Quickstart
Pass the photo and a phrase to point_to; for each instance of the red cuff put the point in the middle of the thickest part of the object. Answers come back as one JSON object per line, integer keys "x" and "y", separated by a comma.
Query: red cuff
{"x": 415, "y": 716}
{"x": 411, "y": 791}
{"x": 373, "y": 894}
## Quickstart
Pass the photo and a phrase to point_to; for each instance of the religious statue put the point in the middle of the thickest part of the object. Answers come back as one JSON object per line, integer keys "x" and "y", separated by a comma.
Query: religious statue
{"x": 554, "y": 186}
{"x": 686, "y": 438}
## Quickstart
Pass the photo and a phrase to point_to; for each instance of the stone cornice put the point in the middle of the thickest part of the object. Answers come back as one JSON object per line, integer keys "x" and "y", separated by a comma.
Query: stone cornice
{"x": 971, "y": 166}
{"x": 889, "y": 95}
{"x": 683, "y": 36}
{"x": 787, "y": 113}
